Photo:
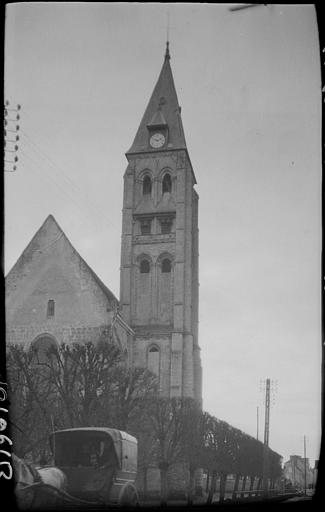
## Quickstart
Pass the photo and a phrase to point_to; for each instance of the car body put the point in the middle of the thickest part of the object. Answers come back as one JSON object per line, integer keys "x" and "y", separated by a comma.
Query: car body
{"x": 100, "y": 463}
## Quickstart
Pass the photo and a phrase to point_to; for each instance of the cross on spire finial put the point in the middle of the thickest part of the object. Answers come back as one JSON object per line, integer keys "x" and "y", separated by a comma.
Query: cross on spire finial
{"x": 167, "y": 54}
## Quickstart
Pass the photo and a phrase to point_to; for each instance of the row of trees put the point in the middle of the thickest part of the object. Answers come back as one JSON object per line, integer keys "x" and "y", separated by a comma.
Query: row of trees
{"x": 71, "y": 386}
{"x": 183, "y": 433}
{"x": 92, "y": 385}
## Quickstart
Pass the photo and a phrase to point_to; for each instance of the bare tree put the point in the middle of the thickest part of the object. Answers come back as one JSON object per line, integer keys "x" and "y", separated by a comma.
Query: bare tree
{"x": 129, "y": 394}
{"x": 192, "y": 441}
{"x": 91, "y": 384}
{"x": 75, "y": 385}
{"x": 31, "y": 400}
{"x": 81, "y": 375}
{"x": 147, "y": 453}
{"x": 223, "y": 451}
{"x": 164, "y": 417}
{"x": 176, "y": 426}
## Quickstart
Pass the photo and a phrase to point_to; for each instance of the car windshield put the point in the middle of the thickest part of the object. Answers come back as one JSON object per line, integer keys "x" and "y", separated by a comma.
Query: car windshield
{"x": 83, "y": 449}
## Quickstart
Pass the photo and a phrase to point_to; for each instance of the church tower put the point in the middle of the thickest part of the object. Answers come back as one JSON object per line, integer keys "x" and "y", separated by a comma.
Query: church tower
{"x": 159, "y": 253}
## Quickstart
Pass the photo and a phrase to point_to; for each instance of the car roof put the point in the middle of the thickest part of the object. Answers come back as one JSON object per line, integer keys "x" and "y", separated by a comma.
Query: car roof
{"x": 115, "y": 434}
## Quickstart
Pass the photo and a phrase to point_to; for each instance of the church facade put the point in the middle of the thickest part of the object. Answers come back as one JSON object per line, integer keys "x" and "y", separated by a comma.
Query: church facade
{"x": 53, "y": 296}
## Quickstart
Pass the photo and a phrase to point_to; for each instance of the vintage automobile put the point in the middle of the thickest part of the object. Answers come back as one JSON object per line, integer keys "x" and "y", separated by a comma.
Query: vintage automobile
{"x": 100, "y": 464}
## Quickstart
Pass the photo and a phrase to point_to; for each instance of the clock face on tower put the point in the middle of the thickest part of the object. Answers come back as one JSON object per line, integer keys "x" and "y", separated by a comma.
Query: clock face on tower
{"x": 157, "y": 140}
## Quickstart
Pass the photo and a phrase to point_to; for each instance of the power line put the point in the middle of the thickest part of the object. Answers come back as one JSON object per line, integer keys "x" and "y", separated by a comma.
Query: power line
{"x": 61, "y": 171}
{"x": 34, "y": 168}
{"x": 34, "y": 156}
{"x": 62, "y": 176}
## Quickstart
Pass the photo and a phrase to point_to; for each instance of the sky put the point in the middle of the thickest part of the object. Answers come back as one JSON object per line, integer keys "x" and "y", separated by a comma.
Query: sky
{"x": 249, "y": 85}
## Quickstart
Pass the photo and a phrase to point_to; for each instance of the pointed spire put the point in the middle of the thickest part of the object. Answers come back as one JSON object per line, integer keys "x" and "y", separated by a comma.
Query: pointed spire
{"x": 167, "y": 54}
{"x": 163, "y": 110}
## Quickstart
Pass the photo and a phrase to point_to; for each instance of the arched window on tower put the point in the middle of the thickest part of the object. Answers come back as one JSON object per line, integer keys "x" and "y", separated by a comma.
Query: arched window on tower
{"x": 143, "y": 291}
{"x": 166, "y": 184}
{"x": 166, "y": 266}
{"x": 165, "y": 291}
{"x": 144, "y": 267}
{"x": 154, "y": 360}
{"x": 146, "y": 186}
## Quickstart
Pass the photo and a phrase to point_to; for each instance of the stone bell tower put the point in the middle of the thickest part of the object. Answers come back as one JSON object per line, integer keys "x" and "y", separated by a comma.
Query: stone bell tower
{"x": 159, "y": 253}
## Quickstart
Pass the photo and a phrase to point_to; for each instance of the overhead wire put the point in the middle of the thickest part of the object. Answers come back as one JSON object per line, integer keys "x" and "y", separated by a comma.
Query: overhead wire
{"x": 34, "y": 167}
{"x": 37, "y": 161}
{"x": 61, "y": 177}
{"x": 46, "y": 157}
{"x": 61, "y": 173}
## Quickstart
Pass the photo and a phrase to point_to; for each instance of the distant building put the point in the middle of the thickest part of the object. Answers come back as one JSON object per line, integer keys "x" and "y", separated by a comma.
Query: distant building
{"x": 294, "y": 471}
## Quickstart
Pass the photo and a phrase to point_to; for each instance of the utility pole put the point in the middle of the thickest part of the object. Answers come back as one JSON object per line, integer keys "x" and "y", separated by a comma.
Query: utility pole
{"x": 269, "y": 386}
{"x": 11, "y": 137}
{"x": 266, "y": 439}
{"x": 305, "y": 465}
{"x": 257, "y": 411}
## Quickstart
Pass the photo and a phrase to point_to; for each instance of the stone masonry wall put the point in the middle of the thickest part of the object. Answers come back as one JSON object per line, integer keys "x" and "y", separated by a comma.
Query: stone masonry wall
{"x": 50, "y": 269}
